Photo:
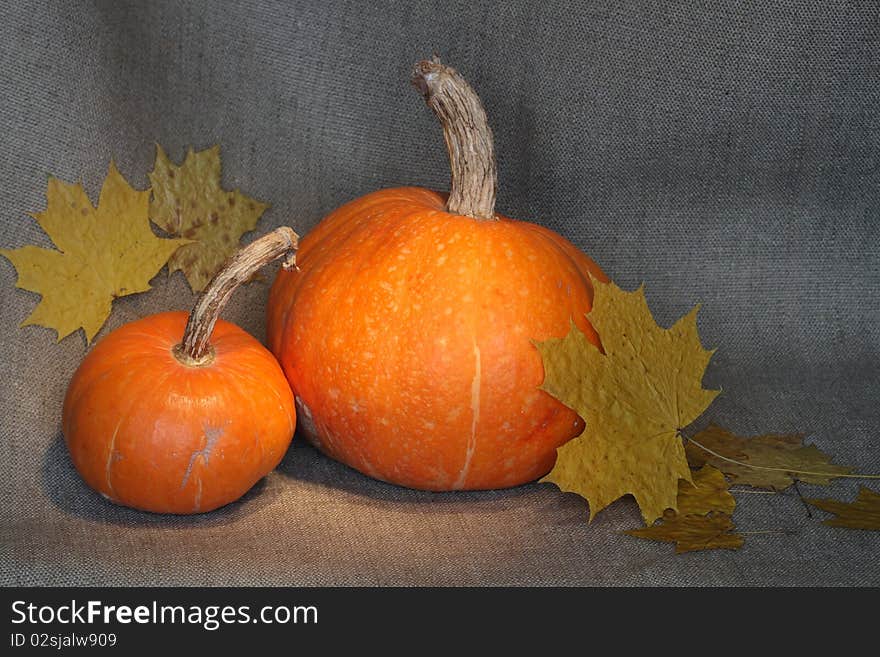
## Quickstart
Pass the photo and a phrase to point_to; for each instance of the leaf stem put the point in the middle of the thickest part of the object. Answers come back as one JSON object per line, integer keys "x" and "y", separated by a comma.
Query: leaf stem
{"x": 830, "y": 475}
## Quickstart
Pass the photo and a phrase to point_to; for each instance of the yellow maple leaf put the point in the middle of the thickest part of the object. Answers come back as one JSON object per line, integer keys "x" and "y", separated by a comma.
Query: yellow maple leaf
{"x": 703, "y": 519}
{"x": 706, "y": 493}
{"x": 863, "y": 513}
{"x": 635, "y": 399}
{"x": 767, "y": 461}
{"x": 103, "y": 252}
{"x": 189, "y": 202}
{"x": 690, "y": 533}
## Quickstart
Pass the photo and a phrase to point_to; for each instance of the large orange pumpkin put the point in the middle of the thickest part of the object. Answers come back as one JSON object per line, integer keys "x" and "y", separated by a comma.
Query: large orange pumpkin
{"x": 172, "y": 425}
{"x": 406, "y": 330}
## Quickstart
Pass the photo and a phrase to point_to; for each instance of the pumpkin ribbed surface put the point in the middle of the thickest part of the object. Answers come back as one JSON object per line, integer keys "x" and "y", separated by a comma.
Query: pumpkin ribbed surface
{"x": 152, "y": 433}
{"x": 406, "y": 336}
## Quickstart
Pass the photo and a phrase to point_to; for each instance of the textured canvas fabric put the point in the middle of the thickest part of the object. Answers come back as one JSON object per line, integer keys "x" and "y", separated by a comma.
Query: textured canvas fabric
{"x": 725, "y": 153}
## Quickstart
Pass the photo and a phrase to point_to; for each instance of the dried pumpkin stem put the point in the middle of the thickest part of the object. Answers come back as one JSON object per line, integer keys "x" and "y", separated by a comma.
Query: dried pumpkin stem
{"x": 468, "y": 138}
{"x": 195, "y": 349}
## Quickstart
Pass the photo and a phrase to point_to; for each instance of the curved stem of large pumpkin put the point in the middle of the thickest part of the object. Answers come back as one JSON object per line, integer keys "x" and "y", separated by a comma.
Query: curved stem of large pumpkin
{"x": 468, "y": 138}
{"x": 194, "y": 349}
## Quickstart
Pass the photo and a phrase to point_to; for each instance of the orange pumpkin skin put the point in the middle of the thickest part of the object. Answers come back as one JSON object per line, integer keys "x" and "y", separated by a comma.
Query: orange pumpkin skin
{"x": 148, "y": 432}
{"x": 406, "y": 336}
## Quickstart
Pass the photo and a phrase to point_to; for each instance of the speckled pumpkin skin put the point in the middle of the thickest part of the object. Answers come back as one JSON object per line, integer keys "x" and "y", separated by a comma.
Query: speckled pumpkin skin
{"x": 151, "y": 433}
{"x": 406, "y": 337}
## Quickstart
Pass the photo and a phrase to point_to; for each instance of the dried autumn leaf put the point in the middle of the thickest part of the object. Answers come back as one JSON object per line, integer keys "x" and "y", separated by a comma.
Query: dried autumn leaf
{"x": 188, "y": 201}
{"x": 864, "y": 513}
{"x": 703, "y": 519}
{"x": 103, "y": 253}
{"x": 707, "y": 493}
{"x": 690, "y": 533}
{"x": 785, "y": 456}
{"x": 635, "y": 399}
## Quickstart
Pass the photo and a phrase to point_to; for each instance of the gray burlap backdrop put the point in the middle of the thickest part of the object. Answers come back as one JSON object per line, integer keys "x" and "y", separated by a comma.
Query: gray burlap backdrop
{"x": 723, "y": 152}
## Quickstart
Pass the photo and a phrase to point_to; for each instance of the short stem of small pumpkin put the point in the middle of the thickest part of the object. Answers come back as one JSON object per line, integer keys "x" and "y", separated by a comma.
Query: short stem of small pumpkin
{"x": 195, "y": 348}
{"x": 468, "y": 138}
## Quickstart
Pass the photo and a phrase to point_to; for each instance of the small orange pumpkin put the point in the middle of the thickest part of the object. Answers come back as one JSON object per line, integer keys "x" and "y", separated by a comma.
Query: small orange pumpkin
{"x": 406, "y": 331}
{"x": 182, "y": 426}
